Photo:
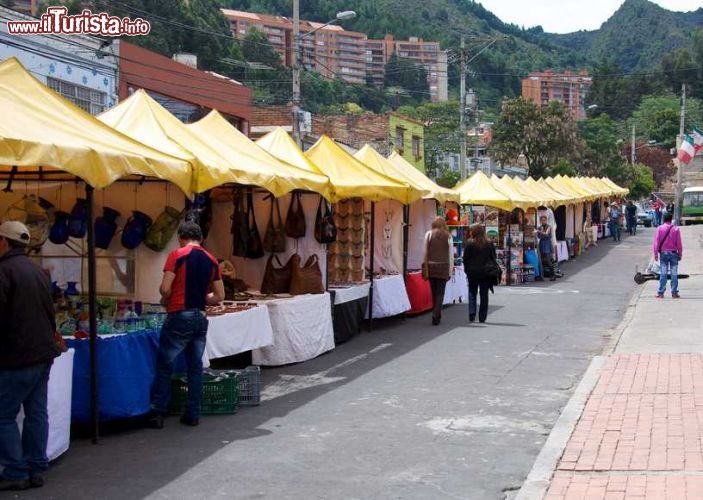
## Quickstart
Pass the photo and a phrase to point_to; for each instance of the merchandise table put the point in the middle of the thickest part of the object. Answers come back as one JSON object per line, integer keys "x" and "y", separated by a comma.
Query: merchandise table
{"x": 457, "y": 288}
{"x": 419, "y": 293}
{"x": 60, "y": 385}
{"x": 302, "y": 330}
{"x": 390, "y": 297}
{"x": 232, "y": 333}
{"x": 350, "y": 305}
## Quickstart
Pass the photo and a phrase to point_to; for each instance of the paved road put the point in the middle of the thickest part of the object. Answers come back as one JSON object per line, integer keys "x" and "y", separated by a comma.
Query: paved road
{"x": 408, "y": 411}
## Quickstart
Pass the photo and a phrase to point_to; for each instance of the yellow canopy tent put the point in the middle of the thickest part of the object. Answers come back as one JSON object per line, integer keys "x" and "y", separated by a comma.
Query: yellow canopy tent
{"x": 578, "y": 187}
{"x": 619, "y": 190}
{"x": 267, "y": 171}
{"x": 520, "y": 199}
{"x": 435, "y": 191}
{"x": 595, "y": 185}
{"x": 565, "y": 189}
{"x": 479, "y": 190}
{"x": 376, "y": 161}
{"x": 43, "y": 133}
{"x": 282, "y": 146}
{"x": 353, "y": 179}
{"x": 555, "y": 198}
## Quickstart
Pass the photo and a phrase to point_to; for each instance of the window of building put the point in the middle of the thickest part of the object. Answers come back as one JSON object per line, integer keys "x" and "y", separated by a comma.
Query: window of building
{"x": 399, "y": 139}
{"x": 90, "y": 100}
{"x": 417, "y": 153}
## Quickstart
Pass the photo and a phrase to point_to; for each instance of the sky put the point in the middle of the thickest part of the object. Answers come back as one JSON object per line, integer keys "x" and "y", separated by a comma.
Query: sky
{"x": 566, "y": 16}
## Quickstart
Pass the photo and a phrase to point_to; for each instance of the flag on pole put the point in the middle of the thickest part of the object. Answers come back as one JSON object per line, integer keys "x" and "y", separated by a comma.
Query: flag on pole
{"x": 687, "y": 150}
{"x": 697, "y": 139}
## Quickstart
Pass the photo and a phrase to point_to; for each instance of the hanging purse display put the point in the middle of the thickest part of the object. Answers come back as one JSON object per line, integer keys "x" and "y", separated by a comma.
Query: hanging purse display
{"x": 276, "y": 279}
{"x": 240, "y": 226}
{"x": 135, "y": 230}
{"x": 58, "y": 234}
{"x": 306, "y": 279}
{"x": 163, "y": 229}
{"x": 275, "y": 237}
{"x": 255, "y": 248}
{"x": 325, "y": 230}
{"x": 295, "y": 219}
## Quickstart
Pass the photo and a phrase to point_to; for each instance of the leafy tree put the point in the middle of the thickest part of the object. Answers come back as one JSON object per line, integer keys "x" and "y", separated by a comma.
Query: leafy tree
{"x": 601, "y": 153}
{"x": 658, "y": 118}
{"x": 542, "y": 135}
{"x": 656, "y": 158}
{"x": 639, "y": 180}
{"x": 256, "y": 48}
{"x": 564, "y": 167}
{"x": 407, "y": 75}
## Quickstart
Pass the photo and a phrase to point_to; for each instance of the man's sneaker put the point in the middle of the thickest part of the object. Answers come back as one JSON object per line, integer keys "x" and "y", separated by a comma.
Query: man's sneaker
{"x": 36, "y": 481}
{"x": 13, "y": 484}
{"x": 659, "y": 295}
{"x": 192, "y": 422}
{"x": 675, "y": 296}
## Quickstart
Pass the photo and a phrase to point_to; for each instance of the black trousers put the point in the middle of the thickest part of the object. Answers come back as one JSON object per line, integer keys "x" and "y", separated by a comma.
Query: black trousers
{"x": 437, "y": 285}
{"x": 481, "y": 288}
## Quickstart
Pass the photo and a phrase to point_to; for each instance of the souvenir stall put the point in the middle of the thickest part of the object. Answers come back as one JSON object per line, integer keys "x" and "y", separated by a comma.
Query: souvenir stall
{"x": 61, "y": 145}
{"x": 352, "y": 178}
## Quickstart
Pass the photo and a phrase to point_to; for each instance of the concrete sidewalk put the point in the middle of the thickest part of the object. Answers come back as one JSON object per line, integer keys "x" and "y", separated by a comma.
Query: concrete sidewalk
{"x": 640, "y": 434}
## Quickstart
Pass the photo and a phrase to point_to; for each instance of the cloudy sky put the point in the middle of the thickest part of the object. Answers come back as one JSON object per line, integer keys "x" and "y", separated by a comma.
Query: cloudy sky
{"x": 565, "y": 16}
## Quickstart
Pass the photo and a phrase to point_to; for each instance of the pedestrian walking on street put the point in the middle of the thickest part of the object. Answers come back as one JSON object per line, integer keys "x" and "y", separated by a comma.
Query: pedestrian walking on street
{"x": 27, "y": 329}
{"x": 479, "y": 259}
{"x": 631, "y": 218}
{"x": 438, "y": 264}
{"x": 615, "y": 222}
{"x": 191, "y": 281}
{"x": 546, "y": 250}
{"x": 668, "y": 250}
{"x": 658, "y": 207}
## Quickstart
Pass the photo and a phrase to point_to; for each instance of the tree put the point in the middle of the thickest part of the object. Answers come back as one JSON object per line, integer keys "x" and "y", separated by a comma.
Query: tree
{"x": 656, "y": 158}
{"x": 542, "y": 135}
{"x": 256, "y": 48}
{"x": 406, "y": 75}
{"x": 564, "y": 167}
{"x": 639, "y": 180}
{"x": 658, "y": 118}
{"x": 600, "y": 145}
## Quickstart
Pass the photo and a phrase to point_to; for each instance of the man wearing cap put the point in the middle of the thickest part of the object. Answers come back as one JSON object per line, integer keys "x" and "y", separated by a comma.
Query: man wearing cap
{"x": 615, "y": 221}
{"x": 27, "y": 351}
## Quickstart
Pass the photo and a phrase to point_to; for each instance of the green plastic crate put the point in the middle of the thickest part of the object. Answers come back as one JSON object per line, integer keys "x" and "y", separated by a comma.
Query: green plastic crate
{"x": 220, "y": 394}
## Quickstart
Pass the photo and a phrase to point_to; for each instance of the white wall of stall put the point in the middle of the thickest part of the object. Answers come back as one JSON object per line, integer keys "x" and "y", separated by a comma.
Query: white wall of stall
{"x": 389, "y": 236}
{"x": 422, "y": 213}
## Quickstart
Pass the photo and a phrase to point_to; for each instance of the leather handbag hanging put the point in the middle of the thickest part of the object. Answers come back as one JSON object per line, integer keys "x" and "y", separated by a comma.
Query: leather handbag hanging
{"x": 295, "y": 220}
{"x": 255, "y": 248}
{"x": 306, "y": 279}
{"x": 240, "y": 226}
{"x": 276, "y": 279}
{"x": 325, "y": 230}
{"x": 275, "y": 237}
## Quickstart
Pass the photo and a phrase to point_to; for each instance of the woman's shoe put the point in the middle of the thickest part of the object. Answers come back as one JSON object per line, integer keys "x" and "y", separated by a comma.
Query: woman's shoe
{"x": 472, "y": 318}
{"x": 435, "y": 322}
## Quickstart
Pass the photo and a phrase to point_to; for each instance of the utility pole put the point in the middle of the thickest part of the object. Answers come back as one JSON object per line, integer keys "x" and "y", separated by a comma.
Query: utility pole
{"x": 679, "y": 166}
{"x": 297, "y": 61}
{"x": 632, "y": 153}
{"x": 462, "y": 110}
{"x": 477, "y": 124}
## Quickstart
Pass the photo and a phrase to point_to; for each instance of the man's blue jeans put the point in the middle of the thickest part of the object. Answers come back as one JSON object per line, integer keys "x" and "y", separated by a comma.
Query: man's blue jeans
{"x": 25, "y": 455}
{"x": 668, "y": 264}
{"x": 615, "y": 230}
{"x": 182, "y": 331}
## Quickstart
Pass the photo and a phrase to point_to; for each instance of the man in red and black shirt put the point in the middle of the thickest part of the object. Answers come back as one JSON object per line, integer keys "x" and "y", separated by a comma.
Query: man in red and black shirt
{"x": 191, "y": 281}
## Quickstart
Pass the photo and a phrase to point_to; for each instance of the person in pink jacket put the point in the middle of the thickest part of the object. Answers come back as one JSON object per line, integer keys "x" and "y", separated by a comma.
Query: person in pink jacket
{"x": 668, "y": 250}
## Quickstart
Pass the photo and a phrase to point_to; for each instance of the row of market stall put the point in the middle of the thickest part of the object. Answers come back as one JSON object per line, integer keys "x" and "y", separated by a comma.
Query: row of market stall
{"x": 311, "y": 243}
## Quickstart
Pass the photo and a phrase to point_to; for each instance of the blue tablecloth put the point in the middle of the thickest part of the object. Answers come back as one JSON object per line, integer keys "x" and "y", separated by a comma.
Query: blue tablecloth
{"x": 126, "y": 367}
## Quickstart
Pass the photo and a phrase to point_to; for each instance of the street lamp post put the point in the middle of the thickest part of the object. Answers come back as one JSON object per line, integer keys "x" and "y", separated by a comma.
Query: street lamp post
{"x": 298, "y": 60}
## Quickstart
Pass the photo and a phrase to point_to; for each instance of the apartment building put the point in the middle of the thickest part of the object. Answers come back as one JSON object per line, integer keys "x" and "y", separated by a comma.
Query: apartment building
{"x": 330, "y": 51}
{"x": 569, "y": 88}
{"x": 335, "y": 51}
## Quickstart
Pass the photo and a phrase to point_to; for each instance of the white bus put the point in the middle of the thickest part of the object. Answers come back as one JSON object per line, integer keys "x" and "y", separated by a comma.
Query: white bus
{"x": 692, "y": 205}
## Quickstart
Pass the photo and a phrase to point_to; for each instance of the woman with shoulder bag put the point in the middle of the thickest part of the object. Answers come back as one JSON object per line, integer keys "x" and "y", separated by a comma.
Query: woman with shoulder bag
{"x": 438, "y": 265}
{"x": 481, "y": 267}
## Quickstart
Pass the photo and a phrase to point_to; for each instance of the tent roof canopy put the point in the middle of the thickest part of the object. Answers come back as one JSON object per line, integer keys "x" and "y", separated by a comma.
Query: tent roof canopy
{"x": 43, "y": 133}
{"x": 277, "y": 176}
{"x": 479, "y": 190}
{"x": 281, "y": 145}
{"x": 353, "y": 179}
{"x": 435, "y": 191}
{"x": 375, "y": 160}
{"x": 518, "y": 196}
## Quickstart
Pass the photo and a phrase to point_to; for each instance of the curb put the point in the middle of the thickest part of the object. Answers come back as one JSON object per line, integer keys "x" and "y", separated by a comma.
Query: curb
{"x": 537, "y": 481}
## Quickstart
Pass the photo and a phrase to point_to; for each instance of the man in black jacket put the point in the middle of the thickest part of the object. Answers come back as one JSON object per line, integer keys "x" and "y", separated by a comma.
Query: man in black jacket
{"x": 27, "y": 351}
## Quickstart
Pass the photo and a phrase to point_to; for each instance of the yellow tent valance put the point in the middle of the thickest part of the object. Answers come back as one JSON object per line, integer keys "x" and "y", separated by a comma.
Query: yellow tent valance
{"x": 373, "y": 159}
{"x": 479, "y": 190}
{"x": 434, "y": 191}
{"x": 41, "y": 132}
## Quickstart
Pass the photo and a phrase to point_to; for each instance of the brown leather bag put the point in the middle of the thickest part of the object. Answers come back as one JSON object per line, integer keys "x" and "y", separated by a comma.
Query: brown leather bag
{"x": 295, "y": 220}
{"x": 276, "y": 279}
{"x": 275, "y": 237}
{"x": 306, "y": 279}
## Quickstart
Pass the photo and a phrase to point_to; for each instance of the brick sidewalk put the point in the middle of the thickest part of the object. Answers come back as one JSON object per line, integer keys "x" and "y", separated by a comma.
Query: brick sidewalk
{"x": 640, "y": 434}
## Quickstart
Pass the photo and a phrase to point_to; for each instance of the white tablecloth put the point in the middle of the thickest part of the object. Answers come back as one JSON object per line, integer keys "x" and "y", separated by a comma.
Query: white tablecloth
{"x": 457, "y": 288}
{"x": 355, "y": 292}
{"x": 390, "y": 297}
{"x": 242, "y": 331}
{"x": 302, "y": 330}
{"x": 59, "y": 405}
